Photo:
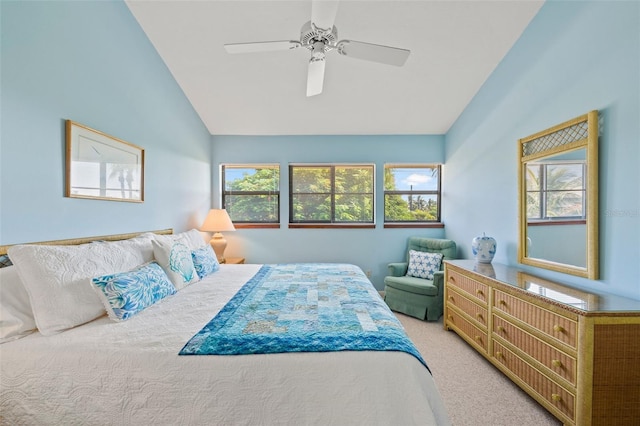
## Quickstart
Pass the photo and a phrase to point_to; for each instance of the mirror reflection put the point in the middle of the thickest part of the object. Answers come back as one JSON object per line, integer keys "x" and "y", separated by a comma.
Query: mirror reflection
{"x": 565, "y": 295}
{"x": 558, "y": 192}
{"x": 556, "y": 208}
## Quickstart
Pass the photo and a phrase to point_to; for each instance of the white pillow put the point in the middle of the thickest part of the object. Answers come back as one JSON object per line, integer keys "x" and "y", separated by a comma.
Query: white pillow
{"x": 58, "y": 278}
{"x": 16, "y": 316}
{"x": 423, "y": 264}
{"x": 174, "y": 255}
{"x": 192, "y": 238}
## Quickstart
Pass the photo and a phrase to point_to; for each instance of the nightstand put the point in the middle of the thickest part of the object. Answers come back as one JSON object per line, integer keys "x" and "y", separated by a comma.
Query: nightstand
{"x": 234, "y": 260}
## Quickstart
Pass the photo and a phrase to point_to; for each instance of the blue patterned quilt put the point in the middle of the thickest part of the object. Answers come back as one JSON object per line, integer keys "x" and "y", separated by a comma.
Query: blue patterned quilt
{"x": 303, "y": 307}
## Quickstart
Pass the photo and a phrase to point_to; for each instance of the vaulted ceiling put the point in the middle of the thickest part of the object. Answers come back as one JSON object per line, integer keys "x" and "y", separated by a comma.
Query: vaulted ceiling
{"x": 455, "y": 46}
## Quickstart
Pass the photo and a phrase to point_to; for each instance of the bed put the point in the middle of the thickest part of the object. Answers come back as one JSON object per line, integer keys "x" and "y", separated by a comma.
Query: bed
{"x": 132, "y": 371}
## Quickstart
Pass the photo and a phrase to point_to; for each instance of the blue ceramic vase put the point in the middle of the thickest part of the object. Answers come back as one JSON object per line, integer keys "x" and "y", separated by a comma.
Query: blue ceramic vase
{"x": 484, "y": 248}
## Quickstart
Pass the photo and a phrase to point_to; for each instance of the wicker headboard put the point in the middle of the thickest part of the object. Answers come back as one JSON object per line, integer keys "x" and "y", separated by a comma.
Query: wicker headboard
{"x": 76, "y": 241}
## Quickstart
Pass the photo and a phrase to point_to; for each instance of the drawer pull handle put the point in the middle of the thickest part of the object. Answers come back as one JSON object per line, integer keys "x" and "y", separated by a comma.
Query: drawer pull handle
{"x": 501, "y": 329}
{"x": 555, "y": 397}
{"x": 503, "y": 303}
{"x": 479, "y": 316}
{"x": 479, "y": 293}
{"x": 556, "y": 363}
{"x": 452, "y": 279}
{"x": 451, "y": 298}
{"x": 479, "y": 338}
{"x": 449, "y": 317}
{"x": 498, "y": 354}
{"x": 558, "y": 328}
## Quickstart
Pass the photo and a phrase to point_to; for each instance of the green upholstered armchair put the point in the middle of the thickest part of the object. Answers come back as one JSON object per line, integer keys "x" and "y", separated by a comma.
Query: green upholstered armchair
{"x": 418, "y": 297}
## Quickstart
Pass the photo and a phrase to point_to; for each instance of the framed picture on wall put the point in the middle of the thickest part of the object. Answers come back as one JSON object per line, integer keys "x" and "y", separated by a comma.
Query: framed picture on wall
{"x": 102, "y": 167}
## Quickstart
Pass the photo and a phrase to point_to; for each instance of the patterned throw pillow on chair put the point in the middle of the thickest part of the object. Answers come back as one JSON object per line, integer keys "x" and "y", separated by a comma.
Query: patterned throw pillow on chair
{"x": 423, "y": 264}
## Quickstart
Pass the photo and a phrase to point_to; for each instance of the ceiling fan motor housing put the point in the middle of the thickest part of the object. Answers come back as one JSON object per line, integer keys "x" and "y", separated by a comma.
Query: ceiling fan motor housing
{"x": 310, "y": 35}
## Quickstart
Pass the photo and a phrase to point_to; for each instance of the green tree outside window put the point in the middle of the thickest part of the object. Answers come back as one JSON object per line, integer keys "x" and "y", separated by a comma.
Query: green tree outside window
{"x": 331, "y": 194}
{"x": 411, "y": 193}
{"x": 251, "y": 193}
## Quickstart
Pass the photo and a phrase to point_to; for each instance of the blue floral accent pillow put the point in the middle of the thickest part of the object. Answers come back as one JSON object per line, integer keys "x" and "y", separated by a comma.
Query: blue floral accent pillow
{"x": 423, "y": 264}
{"x": 205, "y": 261}
{"x": 124, "y": 294}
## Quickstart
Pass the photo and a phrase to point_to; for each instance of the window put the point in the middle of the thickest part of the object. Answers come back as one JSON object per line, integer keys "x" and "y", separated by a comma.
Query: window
{"x": 411, "y": 194}
{"x": 251, "y": 193}
{"x": 331, "y": 194}
{"x": 556, "y": 191}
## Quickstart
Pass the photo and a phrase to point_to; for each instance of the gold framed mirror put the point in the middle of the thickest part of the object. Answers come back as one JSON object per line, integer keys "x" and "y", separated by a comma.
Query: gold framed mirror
{"x": 558, "y": 197}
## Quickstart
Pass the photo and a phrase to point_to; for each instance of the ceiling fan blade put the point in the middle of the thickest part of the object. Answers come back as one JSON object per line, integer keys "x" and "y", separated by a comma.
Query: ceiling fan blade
{"x": 373, "y": 52}
{"x": 261, "y": 46}
{"x": 323, "y": 13}
{"x": 315, "y": 77}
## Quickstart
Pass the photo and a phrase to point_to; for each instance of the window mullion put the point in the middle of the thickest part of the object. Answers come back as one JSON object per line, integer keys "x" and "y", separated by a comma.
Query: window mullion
{"x": 543, "y": 191}
{"x": 333, "y": 194}
{"x": 584, "y": 190}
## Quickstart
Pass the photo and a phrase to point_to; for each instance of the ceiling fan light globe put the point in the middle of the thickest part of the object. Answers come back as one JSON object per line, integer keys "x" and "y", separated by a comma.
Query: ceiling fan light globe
{"x": 317, "y": 51}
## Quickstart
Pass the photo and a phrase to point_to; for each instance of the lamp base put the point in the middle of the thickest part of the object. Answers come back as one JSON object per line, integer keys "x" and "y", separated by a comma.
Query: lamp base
{"x": 219, "y": 244}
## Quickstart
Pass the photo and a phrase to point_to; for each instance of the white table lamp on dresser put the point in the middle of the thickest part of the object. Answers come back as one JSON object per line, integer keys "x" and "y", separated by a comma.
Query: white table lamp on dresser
{"x": 218, "y": 221}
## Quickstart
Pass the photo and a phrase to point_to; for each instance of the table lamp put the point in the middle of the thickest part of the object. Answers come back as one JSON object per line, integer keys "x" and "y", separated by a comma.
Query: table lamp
{"x": 218, "y": 221}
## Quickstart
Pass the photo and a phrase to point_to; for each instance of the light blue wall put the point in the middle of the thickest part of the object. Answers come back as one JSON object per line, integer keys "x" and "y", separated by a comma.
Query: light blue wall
{"x": 370, "y": 249}
{"x": 574, "y": 57}
{"x": 90, "y": 62}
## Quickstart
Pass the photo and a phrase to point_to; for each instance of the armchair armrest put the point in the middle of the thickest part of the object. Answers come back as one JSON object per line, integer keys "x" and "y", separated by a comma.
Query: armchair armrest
{"x": 398, "y": 269}
{"x": 438, "y": 281}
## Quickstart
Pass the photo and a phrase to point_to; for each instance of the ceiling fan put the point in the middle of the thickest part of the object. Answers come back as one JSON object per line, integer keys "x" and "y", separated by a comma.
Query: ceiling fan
{"x": 320, "y": 36}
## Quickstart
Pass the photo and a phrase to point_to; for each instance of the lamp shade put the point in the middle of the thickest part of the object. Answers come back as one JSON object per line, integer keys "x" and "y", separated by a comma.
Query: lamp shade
{"x": 217, "y": 220}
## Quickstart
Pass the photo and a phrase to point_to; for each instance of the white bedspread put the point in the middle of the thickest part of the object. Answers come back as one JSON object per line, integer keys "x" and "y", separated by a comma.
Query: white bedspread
{"x": 130, "y": 373}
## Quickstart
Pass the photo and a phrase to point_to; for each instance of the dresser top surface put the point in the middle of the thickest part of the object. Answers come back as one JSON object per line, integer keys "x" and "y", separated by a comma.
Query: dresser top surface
{"x": 588, "y": 301}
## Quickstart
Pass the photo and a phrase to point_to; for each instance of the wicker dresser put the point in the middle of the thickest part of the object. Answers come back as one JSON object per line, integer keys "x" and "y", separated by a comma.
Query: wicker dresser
{"x": 576, "y": 353}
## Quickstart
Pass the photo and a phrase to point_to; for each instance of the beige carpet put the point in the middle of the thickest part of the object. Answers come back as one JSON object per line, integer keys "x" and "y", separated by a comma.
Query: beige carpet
{"x": 474, "y": 391}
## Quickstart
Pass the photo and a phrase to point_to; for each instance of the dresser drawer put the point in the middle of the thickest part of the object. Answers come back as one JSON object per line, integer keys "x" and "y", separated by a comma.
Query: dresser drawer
{"x": 550, "y": 323}
{"x": 475, "y": 289}
{"x": 557, "y": 361}
{"x": 475, "y": 311}
{"x": 553, "y": 393}
{"x": 473, "y": 333}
